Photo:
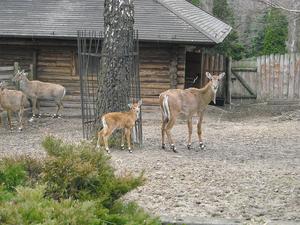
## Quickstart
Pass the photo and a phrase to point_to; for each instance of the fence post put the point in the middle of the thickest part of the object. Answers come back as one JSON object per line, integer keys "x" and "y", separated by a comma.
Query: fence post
{"x": 228, "y": 72}
{"x": 30, "y": 74}
{"x": 16, "y": 68}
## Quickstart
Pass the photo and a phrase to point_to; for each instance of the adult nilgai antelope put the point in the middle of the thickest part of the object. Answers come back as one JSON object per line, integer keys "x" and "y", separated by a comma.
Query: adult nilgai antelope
{"x": 12, "y": 101}
{"x": 37, "y": 90}
{"x": 119, "y": 120}
{"x": 189, "y": 101}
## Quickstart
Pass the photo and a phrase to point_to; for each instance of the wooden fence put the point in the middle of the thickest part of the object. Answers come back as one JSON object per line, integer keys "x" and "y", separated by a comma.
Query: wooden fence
{"x": 272, "y": 77}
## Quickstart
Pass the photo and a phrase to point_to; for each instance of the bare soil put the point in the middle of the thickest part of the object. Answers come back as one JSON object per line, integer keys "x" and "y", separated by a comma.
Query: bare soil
{"x": 250, "y": 169}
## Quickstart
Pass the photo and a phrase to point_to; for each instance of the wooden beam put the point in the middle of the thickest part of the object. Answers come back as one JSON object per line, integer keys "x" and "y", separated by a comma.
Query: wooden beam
{"x": 243, "y": 97}
{"x": 34, "y": 65}
{"x": 173, "y": 67}
{"x": 244, "y": 83}
{"x": 241, "y": 69}
{"x": 228, "y": 79}
{"x": 7, "y": 68}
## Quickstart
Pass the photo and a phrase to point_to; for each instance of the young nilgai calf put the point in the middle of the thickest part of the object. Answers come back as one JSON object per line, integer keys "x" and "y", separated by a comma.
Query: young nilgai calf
{"x": 37, "y": 90}
{"x": 12, "y": 101}
{"x": 119, "y": 120}
{"x": 190, "y": 101}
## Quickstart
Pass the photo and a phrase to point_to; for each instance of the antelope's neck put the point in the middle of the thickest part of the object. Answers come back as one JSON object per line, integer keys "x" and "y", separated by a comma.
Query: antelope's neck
{"x": 133, "y": 114}
{"x": 24, "y": 83}
{"x": 207, "y": 93}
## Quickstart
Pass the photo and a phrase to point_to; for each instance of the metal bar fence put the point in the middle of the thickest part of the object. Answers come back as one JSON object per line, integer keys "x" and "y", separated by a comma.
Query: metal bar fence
{"x": 89, "y": 67}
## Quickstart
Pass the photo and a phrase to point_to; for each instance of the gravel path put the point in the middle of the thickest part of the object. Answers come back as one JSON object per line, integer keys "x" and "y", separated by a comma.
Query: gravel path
{"x": 250, "y": 169}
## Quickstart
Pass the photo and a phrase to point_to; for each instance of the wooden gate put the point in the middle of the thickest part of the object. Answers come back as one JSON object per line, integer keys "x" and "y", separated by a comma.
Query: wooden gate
{"x": 271, "y": 77}
{"x": 244, "y": 79}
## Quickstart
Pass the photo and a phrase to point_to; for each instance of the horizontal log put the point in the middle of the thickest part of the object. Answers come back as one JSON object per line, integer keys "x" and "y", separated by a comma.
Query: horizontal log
{"x": 6, "y": 76}
{"x": 157, "y": 86}
{"x": 54, "y": 64}
{"x": 157, "y": 73}
{"x": 60, "y": 77}
{"x": 241, "y": 69}
{"x": 154, "y": 66}
{"x": 154, "y": 79}
{"x": 7, "y": 68}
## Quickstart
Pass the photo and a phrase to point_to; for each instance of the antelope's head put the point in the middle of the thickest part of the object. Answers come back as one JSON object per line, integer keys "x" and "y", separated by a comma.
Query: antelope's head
{"x": 136, "y": 107}
{"x": 215, "y": 82}
{"x": 20, "y": 75}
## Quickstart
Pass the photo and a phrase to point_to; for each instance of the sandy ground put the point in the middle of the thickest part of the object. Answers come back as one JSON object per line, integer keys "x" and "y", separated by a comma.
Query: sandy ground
{"x": 250, "y": 169}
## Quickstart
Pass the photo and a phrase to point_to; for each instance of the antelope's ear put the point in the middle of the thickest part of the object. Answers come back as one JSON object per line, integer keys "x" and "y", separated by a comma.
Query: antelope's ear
{"x": 130, "y": 105}
{"x": 140, "y": 102}
{"x": 221, "y": 75}
{"x": 208, "y": 75}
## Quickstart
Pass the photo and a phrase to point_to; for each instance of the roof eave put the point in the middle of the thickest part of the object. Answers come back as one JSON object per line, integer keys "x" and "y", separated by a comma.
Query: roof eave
{"x": 72, "y": 37}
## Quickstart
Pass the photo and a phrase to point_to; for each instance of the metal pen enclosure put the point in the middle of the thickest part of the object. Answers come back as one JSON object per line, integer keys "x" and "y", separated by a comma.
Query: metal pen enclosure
{"x": 89, "y": 67}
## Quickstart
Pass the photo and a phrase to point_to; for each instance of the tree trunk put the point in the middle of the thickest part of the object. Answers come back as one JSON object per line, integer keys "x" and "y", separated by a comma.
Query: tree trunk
{"x": 294, "y": 21}
{"x": 117, "y": 47}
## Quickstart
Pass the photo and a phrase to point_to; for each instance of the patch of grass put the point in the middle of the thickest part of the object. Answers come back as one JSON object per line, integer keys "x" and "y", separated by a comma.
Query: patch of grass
{"x": 75, "y": 184}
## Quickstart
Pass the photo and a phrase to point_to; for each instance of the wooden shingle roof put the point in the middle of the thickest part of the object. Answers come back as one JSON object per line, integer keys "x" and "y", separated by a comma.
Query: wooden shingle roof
{"x": 156, "y": 20}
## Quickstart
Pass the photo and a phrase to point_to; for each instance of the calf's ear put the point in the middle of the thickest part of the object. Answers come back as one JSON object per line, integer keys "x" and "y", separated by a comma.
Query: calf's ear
{"x": 221, "y": 75}
{"x": 129, "y": 105}
{"x": 208, "y": 75}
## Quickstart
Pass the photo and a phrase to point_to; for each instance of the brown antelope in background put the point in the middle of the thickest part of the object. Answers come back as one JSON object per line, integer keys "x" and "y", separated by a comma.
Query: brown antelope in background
{"x": 189, "y": 101}
{"x": 119, "y": 120}
{"x": 37, "y": 90}
{"x": 12, "y": 101}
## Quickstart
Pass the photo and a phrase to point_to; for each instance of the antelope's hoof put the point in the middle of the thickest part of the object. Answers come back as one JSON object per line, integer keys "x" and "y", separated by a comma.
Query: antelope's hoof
{"x": 122, "y": 147}
{"x": 39, "y": 116}
{"x": 163, "y": 146}
{"x": 20, "y": 129}
{"x": 129, "y": 150}
{"x": 55, "y": 116}
{"x": 174, "y": 149}
{"x": 189, "y": 146}
{"x": 201, "y": 146}
{"x": 108, "y": 151}
{"x": 31, "y": 119}
{"x": 98, "y": 146}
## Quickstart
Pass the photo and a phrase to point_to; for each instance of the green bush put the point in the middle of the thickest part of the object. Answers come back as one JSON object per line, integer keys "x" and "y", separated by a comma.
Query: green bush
{"x": 30, "y": 207}
{"x": 131, "y": 212}
{"x": 14, "y": 172}
{"x": 81, "y": 172}
{"x": 75, "y": 184}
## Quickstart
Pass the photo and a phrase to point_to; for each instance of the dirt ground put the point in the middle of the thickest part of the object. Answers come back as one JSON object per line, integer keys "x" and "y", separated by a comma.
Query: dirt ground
{"x": 250, "y": 169}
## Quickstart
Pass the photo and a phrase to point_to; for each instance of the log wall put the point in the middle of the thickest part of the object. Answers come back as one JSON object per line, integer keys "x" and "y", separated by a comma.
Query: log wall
{"x": 162, "y": 66}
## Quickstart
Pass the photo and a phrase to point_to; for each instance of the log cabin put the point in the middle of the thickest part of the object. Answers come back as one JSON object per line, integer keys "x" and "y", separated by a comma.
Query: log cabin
{"x": 172, "y": 36}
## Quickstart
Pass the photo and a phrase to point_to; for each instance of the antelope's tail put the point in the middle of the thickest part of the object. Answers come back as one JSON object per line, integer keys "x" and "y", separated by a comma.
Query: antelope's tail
{"x": 165, "y": 108}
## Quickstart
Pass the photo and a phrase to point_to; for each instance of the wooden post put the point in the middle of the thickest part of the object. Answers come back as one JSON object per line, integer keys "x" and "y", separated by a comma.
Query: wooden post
{"x": 173, "y": 68}
{"x": 292, "y": 76}
{"x": 228, "y": 79}
{"x": 30, "y": 74}
{"x": 33, "y": 68}
{"x": 258, "y": 78}
{"x": 202, "y": 75}
{"x": 16, "y": 68}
